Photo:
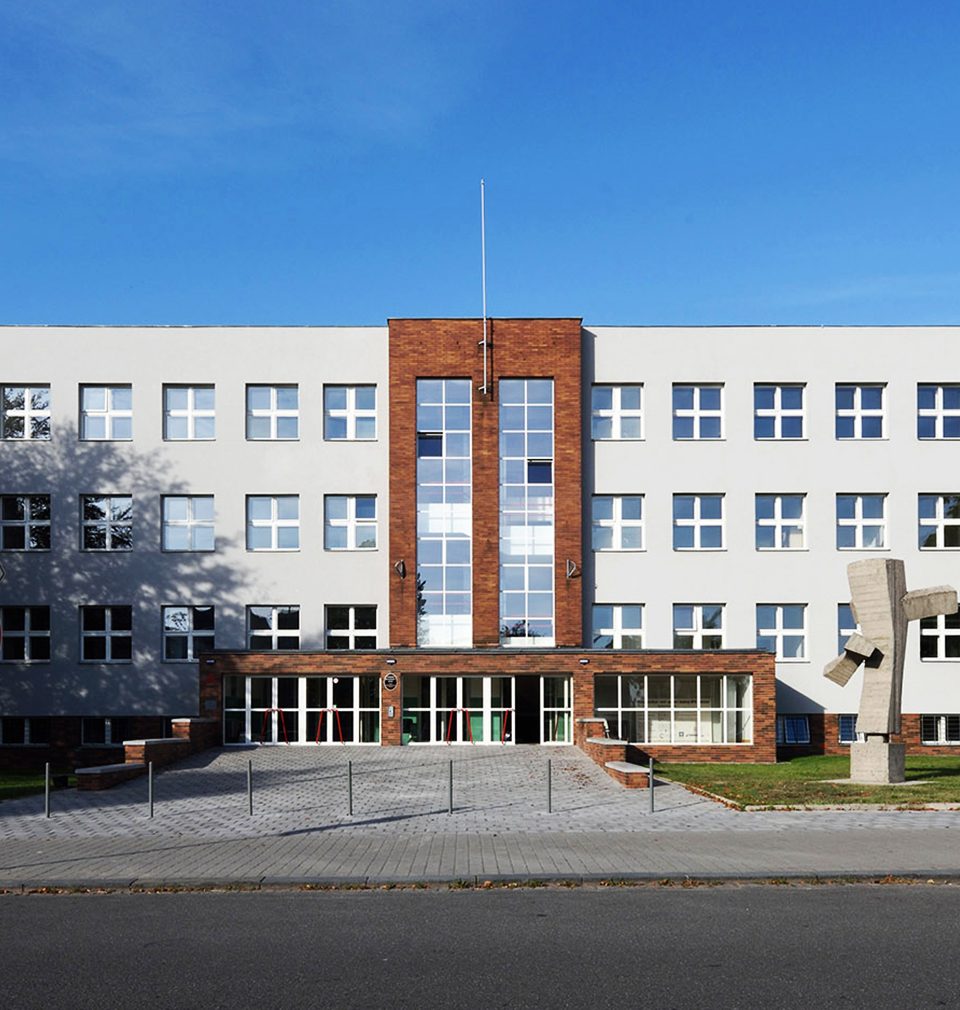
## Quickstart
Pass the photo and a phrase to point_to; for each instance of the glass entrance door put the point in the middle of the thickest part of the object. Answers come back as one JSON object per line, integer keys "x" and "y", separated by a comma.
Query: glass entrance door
{"x": 458, "y": 710}
{"x": 556, "y": 710}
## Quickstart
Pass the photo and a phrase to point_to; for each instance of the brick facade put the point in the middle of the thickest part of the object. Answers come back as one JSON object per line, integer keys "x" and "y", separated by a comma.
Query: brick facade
{"x": 518, "y": 348}
{"x": 825, "y": 738}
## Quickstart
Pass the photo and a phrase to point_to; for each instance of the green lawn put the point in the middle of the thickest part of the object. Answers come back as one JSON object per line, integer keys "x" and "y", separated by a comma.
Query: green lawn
{"x": 803, "y": 780}
{"x": 16, "y": 784}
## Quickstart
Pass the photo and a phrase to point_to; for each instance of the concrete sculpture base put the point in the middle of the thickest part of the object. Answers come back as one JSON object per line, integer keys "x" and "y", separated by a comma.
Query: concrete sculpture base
{"x": 877, "y": 763}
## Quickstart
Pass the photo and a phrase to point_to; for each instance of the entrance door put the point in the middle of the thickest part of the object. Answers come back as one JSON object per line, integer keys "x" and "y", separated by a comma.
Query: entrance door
{"x": 476, "y": 710}
{"x": 556, "y": 707}
{"x": 528, "y": 710}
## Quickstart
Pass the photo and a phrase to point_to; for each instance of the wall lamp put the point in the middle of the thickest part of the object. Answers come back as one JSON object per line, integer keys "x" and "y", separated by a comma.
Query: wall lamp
{"x": 401, "y": 568}
{"x": 583, "y": 662}
{"x": 391, "y": 662}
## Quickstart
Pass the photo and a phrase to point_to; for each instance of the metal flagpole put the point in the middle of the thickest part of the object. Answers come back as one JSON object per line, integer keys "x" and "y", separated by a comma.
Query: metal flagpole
{"x": 483, "y": 281}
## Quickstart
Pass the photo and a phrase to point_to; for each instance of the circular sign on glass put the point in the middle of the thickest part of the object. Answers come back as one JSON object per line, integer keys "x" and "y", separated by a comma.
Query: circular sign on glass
{"x": 390, "y": 681}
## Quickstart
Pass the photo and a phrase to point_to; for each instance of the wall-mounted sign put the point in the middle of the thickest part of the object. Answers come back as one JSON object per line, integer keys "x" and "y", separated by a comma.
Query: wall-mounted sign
{"x": 390, "y": 681}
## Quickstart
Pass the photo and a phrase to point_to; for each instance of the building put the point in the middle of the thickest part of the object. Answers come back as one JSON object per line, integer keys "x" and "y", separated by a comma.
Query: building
{"x": 413, "y": 534}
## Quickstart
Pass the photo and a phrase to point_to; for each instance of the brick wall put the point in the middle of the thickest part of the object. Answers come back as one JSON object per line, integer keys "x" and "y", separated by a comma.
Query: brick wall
{"x": 451, "y": 348}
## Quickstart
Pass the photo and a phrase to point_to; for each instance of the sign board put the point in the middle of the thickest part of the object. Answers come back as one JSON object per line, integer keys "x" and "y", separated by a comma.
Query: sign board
{"x": 390, "y": 681}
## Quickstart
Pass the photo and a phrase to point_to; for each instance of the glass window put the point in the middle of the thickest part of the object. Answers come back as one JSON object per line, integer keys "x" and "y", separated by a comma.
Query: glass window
{"x": 106, "y": 522}
{"x": 939, "y": 519}
{"x": 618, "y": 626}
{"x": 938, "y": 410}
{"x": 187, "y": 631}
{"x": 273, "y": 413}
{"x": 349, "y": 412}
{"x": 106, "y": 634}
{"x": 273, "y": 522}
{"x": 847, "y": 728}
{"x": 778, "y": 411}
{"x": 861, "y": 522}
{"x": 188, "y": 523}
{"x": 616, "y": 412}
{"x": 846, "y": 625}
{"x": 189, "y": 413}
{"x": 780, "y": 522}
{"x": 781, "y": 629}
{"x": 697, "y": 412}
{"x": 273, "y": 629}
{"x": 351, "y": 627}
{"x": 940, "y": 729}
{"x": 698, "y": 522}
{"x": 860, "y": 411}
{"x": 25, "y": 634}
{"x": 350, "y": 522}
{"x": 25, "y": 522}
{"x": 617, "y": 523}
{"x": 940, "y": 637}
{"x": 793, "y": 729}
{"x": 698, "y": 625}
{"x": 106, "y": 413}
{"x": 25, "y": 412}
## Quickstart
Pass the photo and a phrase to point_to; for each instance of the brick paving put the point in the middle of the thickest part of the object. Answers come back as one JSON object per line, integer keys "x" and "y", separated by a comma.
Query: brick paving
{"x": 401, "y": 831}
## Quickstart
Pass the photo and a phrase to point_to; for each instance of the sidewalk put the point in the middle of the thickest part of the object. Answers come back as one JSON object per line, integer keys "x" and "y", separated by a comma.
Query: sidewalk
{"x": 401, "y": 832}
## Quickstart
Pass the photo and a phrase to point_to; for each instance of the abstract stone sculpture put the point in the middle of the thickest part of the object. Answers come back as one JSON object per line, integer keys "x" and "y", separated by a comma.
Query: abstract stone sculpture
{"x": 883, "y": 608}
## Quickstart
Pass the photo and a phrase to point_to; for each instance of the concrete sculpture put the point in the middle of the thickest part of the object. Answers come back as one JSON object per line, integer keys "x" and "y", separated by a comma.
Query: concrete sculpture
{"x": 883, "y": 608}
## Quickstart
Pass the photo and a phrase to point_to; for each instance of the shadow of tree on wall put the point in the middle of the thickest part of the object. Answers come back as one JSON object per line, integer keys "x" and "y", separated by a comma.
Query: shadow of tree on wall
{"x": 66, "y": 577}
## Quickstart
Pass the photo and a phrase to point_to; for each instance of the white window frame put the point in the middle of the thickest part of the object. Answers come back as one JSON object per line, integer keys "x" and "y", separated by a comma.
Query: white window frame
{"x": 946, "y": 730}
{"x": 938, "y": 411}
{"x": 617, "y": 631}
{"x": 110, "y": 413}
{"x": 28, "y": 633}
{"x": 107, "y": 633}
{"x": 616, "y": 523}
{"x": 778, "y": 412}
{"x": 191, "y": 524}
{"x": 274, "y": 631}
{"x": 107, "y": 524}
{"x": 274, "y": 524}
{"x": 845, "y": 630}
{"x": 938, "y": 523}
{"x": 351, "y": 413}
{"x": 698, "y": 523}
{"x": 698, "y": 413}
{"x": 191, "y": 413}
{"x": 188, "y": 631}
{"x": 859, "y": 413}
{"x": 939, "y": 629}
{"x": 616, "y": 413}
{"x": 779, "y": 524}
{"x": 274, "y": 413}
{"x": 351, "y": 633}
{"x": 848, "y": 720}
{"x": 27, "y": 412}
{"x": 27, "y": 523}
{"x": 350, "y": 522}
{"x": 779, "y": 631}
{"x": 696, "y": 630}
{"x": 858, "y": 523}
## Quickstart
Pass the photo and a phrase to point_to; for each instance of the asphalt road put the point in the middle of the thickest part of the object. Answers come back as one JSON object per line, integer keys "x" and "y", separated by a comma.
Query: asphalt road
{"x": 709, "y": 947}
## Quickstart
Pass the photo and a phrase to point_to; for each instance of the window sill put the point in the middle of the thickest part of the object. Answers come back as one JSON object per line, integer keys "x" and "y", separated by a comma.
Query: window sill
{"x": 782, "y": 550}
{"x": 249, "y": 439}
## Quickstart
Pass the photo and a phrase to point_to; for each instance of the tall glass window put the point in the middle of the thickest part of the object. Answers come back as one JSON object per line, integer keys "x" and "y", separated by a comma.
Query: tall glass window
{"x": 526, "y": 512}
{"x": 444, "y": 513}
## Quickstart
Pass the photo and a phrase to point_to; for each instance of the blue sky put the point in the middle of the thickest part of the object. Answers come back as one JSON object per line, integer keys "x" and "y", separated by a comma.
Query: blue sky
{"x": 271, "y": 161}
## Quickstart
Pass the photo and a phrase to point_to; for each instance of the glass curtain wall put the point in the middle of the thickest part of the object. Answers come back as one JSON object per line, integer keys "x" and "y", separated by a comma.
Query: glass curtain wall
{"x": 444, "y": 513}
{"x": 526, "y": 512}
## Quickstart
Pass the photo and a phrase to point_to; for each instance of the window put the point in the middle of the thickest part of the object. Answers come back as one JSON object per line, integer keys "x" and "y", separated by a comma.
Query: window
{"x": 618, "y": 626}
{"x": 940, "y": 729}
{"x": 860, "y": 411}
{"x": 25, "y": 634}
{"x": 940, "y": 637}
{"x": 675, "y": 708}
{"x": 781, "y": 629}
{"x": 938, "y": 411}
{"x": 697, "y": 412}
{"x": 778, "y": 411}
{"x": 106, "y": 522}
{"x": 698, "y": 625}
{"x": 351, "y": 627}
{"x": 25, "y": 412}
{"x": 188, "y": 523}
{"x": 273, "y": 412}
{"x": 273, "y": 522}
{"x": 18, "y": 731}
{"x": 106, "y": 413}
{"x": 273, "y": 629}
{"x": 780, "y": 522}
{"x": 939, "y": 521}
{"x": 350, "y": 522}
{"x": 187, "y": 631}
{"x": 847, "y": 728}
{"x": 793, "y": 729}
{"x": 189, "y": 414}
{"x": 106, "y": 634}
{"x": 618, "y": 522}
{"x": 698, "y": 522}
{"x": 25, "y": 522}
{"x": 349, "y": 412}
{"x": 861, "y": 522}
{"x": 846, "y": 625}
{"x": 98, "y": 731}
{"x": 616, "y": 412}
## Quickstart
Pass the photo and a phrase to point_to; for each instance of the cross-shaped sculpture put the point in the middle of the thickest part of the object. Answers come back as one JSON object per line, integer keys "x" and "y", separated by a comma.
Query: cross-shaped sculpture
{"x": 883, "y": 608}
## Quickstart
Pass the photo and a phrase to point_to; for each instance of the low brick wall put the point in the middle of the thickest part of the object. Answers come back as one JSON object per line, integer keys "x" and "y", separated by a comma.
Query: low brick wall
{"x": 106, "y": 776}
{"x": 202, "y": 733}
{"x": 630, "y": 776}
{"x": 161, "y": 752}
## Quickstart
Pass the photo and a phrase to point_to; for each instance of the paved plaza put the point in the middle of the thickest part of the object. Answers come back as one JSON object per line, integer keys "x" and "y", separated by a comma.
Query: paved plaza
{"x": 301, "y": 830}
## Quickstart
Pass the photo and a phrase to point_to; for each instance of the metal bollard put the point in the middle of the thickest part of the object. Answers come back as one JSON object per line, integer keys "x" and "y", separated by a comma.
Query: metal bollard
{"x": 250, "y": 788}
{"x": 450, "y": 790}
{"x": 46, "y": 790}
{"x": 650, "y": 783}
{"x": 350, "y": 788}
{"x": 549, "y": 786}
{"x": 150, "y": 786}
